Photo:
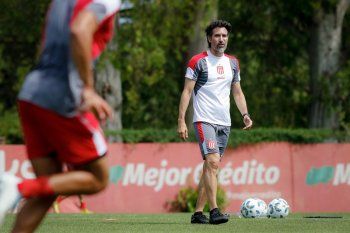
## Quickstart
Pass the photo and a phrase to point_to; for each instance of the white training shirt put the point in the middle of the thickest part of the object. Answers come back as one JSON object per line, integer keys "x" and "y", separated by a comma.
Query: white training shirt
{"x": 214, "y": 77}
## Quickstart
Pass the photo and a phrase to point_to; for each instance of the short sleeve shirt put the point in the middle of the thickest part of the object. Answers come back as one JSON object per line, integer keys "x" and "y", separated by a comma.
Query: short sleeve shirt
{"x": 214, "y": 77}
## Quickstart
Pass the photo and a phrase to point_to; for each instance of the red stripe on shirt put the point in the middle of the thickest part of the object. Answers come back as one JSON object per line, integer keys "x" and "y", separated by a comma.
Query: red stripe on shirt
{"x": 79, "y": 5}
{"x": 103, "y": 35}
{"x": 233, "y": 58}
{"x": 192, "y": 63}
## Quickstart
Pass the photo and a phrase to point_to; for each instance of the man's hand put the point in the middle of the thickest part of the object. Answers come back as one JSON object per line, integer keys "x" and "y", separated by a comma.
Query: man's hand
{"x": 91, "y": 101}
{"x": 247, "y": 122}
{"x": 182, "y": 129}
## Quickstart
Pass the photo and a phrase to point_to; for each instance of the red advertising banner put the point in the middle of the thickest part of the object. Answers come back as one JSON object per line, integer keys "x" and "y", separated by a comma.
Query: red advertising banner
{"x": 145, "y": 177}
{"x": 321, "y": 177}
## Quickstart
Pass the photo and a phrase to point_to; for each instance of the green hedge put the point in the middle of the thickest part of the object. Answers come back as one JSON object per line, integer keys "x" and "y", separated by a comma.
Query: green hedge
{"x": 237, "y": 137}
{"x": 10, "y": 129}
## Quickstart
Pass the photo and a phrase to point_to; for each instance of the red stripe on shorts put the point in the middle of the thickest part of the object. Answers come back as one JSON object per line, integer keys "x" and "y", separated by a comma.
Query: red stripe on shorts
{"x": 200, "y": 131}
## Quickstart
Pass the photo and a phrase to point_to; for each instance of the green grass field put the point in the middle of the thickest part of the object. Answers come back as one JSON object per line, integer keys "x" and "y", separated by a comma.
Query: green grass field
{"x": 102, "y": 223}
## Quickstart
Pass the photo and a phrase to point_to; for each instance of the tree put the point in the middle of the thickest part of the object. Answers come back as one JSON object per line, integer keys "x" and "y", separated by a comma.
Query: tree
{"x": 20, "y": 28}
{"x": 325, "y": 62}
{"x": 289, "y": 84}
{"x": 270, "y": 42}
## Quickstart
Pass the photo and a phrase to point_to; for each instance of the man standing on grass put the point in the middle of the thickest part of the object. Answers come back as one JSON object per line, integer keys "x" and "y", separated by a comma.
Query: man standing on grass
{"x": 210, "y": 77}
{"x": 59, "y": 111}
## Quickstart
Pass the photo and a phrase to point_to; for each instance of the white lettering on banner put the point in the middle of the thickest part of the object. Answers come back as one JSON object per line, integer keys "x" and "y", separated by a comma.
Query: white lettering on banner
{"x": 240, "y": 174}
{"x": 250, "y": 173}
{"x": 151, "y": 176}
{"x": 225, "y": 174}
{"x": 155, "y": 177}
{"x": 24, "y": 168}
{"x": 172, "y": 176}
{"x": 342, "y": 174}
{"x": 272, "y": 175}
{"x": 134, "y": 175}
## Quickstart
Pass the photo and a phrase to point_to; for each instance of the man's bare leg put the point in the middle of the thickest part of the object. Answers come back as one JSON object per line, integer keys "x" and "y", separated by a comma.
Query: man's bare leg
{"x": 210, "y": 180}
{"x": 202, "y": 196}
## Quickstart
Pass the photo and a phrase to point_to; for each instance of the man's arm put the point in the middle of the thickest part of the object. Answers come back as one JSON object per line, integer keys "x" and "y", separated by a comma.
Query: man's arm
{"x": 241, "y": 104}
{"x": 185, "y": 99}
{"x": 82, "y": 31}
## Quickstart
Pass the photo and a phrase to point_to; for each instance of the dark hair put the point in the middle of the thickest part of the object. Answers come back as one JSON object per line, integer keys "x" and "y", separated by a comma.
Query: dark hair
{"x": 217, "y": 24}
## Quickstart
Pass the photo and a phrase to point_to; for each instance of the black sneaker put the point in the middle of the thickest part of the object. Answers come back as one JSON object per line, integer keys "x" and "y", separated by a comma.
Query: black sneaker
{"x": 199, "y": 218}
{"x": 216, "y": 217}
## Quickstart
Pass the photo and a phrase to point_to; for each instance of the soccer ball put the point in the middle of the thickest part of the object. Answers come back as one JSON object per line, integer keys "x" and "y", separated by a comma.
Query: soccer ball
{"x": 278, "y": 208}
{"x": 253, "y": 208}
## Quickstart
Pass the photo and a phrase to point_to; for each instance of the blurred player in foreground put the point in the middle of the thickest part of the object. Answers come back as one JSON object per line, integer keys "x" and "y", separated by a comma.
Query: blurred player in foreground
{"x": 210, "y": 77}
{"x": 58, "y": 107}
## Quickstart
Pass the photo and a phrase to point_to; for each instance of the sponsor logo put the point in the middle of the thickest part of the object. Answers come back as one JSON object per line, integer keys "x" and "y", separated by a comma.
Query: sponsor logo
{"x": 220, "y": 69}
{"x": 249, "y": 173}
{"x": 116, "y": 174}
{"x": 337, "y": 175}
{"x": 211, "y": 144}
{"x": 165, "y": 175}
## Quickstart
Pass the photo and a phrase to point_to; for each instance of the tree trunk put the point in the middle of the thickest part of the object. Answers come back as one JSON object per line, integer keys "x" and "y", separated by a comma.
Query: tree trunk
{"x": 324, "y": 59}
{"x": 108, "y": 85}
{"x": 206, "y": 12}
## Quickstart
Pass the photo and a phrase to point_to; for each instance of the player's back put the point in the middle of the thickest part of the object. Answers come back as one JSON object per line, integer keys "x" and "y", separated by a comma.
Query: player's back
{"x": 54, "y": 83}
{"x": 55, "y": 41}
{"x": 48, "y": 84}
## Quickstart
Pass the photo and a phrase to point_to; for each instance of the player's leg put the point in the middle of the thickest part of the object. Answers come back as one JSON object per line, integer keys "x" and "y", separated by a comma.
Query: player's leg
{"x": 56, "y": 204}
{"x": 210, "y": 170}
{"x": 41, "y": 192}
{"x": 202, "y": 196}
{"x": 90, "y": 179}
{"x": 34, "y": 209}
{"x": 198, "y": 216}
{"x": 83, "y": 206}
{"x": 208, "y": 141}
{"x": 222, "y": 134}
{"x": 211, "y": 164}
{"x": 86, "y": 179}
{"x": 205, "y": 134}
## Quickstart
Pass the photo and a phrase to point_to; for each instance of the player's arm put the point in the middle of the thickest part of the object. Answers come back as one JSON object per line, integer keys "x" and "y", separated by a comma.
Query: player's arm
{"x": 82, "y": 31}
{"x": 241, "y": 104}
{"x": 184, "y": 101}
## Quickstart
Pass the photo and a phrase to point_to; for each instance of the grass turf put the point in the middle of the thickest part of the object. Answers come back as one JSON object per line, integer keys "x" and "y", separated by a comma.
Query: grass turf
{"x": 179, "y": 222}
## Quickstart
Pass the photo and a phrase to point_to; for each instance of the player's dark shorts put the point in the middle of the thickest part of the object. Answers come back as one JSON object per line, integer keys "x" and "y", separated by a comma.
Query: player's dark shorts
{"x": 74, "y": 140}
{"x": 212, "y": 138}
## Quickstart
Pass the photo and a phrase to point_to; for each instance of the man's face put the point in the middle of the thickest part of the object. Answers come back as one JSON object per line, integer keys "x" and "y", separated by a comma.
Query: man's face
{"x": 219, "y": 39}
